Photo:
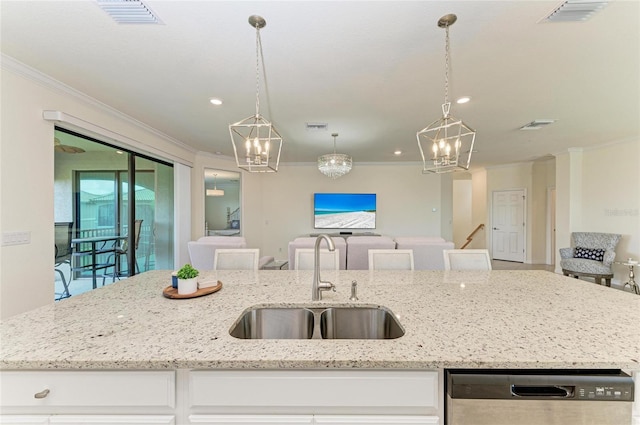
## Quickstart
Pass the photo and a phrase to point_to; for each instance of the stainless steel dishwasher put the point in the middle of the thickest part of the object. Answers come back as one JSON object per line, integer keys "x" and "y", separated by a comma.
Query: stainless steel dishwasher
{"x": 538, "y": 397}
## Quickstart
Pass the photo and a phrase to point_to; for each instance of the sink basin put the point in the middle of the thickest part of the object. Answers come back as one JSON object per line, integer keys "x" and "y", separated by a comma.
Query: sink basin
{"x": 274, "y": 323}
{"x": 334, "y": 322}
{"x": 359, "y": 323}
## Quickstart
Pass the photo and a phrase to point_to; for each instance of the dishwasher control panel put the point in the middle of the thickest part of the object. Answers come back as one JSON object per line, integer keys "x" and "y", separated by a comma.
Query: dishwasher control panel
{"x": 604, "y": 392}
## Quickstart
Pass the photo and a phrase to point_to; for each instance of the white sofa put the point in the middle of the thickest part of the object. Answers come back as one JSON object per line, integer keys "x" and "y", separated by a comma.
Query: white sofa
{"x": 202, "y": 251}
{"x": 309, "y": 242}
{"x": 427, "y": 250}
{"x": 358, "y": 249}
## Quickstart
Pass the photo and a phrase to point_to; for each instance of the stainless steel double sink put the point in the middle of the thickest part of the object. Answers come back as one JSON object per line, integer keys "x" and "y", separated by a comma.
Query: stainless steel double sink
{"x": 328, "y": 322}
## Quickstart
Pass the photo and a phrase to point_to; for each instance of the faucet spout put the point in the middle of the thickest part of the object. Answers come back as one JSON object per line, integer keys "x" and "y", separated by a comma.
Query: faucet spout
{"x": 318, "y": 284}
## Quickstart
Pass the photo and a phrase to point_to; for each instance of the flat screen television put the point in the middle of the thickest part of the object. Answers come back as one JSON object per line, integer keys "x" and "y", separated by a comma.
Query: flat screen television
{"x": 344, "y": 210}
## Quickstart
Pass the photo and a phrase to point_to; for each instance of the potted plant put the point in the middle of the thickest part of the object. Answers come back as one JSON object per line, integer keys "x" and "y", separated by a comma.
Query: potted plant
{"x": 187, "y": 280}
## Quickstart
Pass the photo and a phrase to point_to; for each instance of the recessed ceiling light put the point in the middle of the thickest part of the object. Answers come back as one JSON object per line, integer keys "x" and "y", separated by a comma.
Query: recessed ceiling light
{"x": 463, "y": 99}
{"x": 215, "y": 101}
{"x": 119, "y": 152}
{"x": 398, "y": 152}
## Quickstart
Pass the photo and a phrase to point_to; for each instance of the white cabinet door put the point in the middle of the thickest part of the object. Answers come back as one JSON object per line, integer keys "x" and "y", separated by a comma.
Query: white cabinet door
{"x": 112, "y": 420}
{"x": 359, "y": 389}
{"x": 24, "y": 419}
{"x": 375, "y": 420}
{"x": 87, "y": 388}
{"x": 251, "y": 419}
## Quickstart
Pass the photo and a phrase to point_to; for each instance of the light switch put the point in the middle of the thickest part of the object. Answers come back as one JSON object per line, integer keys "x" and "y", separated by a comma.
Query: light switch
{"x": 16, "y": 238}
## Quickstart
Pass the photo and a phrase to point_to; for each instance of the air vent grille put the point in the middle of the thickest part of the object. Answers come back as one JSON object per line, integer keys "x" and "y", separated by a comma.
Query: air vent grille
{"x": 537, "y": 124}
{"x": 576, "y": 10}
{"x": 317, "y": 126}
{"x": 129, "y": 11}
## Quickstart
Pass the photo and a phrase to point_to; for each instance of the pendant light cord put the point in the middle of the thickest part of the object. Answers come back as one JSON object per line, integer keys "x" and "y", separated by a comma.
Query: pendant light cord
{"x": 446, "y": 65}
{"x": 258, "y": 50}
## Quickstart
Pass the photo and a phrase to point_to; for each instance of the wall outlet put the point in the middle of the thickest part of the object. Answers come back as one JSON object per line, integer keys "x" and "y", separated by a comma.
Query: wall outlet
{"x": 16, "y": 238}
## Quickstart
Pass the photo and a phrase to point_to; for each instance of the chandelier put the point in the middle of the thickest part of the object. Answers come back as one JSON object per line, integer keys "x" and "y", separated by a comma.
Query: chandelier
{"x": 334, "y": 164}
{"x": 446, "y": 144}
{"x": 256, "y": 142}
{"x": 215, "y": 191}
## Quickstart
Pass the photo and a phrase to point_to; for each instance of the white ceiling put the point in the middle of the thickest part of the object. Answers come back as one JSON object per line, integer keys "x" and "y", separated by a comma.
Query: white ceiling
{"x": 374, "y": 71}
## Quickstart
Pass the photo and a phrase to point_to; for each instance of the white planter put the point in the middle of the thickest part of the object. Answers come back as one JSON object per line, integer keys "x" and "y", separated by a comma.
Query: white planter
{"x": 187, "y": 286}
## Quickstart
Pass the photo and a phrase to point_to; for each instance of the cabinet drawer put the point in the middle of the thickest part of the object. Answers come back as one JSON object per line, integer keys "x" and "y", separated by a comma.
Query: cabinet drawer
{"x": 376, "y": 420}
{"x": 112, "y": 420}
{"x": 24, "y": 420}
{"x": 416, "y": 389}
{"x": 251, "y": 419}
{"x": 87, "y": 388}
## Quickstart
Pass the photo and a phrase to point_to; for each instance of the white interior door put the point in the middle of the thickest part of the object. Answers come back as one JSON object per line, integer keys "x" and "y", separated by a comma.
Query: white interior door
{"x": 508, "y": 224}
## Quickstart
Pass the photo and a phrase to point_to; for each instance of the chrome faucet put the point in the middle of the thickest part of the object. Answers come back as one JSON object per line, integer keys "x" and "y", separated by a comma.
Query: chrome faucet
{"x": 318, "y": 285}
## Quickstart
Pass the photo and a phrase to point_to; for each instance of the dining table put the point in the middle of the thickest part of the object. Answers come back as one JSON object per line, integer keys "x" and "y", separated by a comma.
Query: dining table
{"x": 106, "y": 244}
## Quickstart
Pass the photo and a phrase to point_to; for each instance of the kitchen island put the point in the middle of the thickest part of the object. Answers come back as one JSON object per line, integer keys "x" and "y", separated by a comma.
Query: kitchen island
{"x": 451, "y": 319}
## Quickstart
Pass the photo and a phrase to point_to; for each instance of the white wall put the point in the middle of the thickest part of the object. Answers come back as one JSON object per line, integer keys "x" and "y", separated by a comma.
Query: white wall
{"x": 480, "y": 212}
{"x": 512, "y": 177}
{"x": 462, "y": 211}
{"x": 279, "y": 207}
{"x": 534, "y": 178}
{"x": 27, "y": 176}
{"x": 543, "y": 178}
{"x": 598, "y": 190}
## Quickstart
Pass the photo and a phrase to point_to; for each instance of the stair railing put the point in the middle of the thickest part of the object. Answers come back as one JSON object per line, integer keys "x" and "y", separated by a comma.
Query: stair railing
{"x": 470, "y": 237}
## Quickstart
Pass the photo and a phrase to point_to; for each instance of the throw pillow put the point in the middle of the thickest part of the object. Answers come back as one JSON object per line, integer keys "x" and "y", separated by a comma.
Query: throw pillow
{"x": 589, "y": 253}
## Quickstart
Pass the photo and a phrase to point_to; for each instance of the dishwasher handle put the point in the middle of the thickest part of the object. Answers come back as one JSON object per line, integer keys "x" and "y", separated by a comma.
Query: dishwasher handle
{"x": 550, "y": 391}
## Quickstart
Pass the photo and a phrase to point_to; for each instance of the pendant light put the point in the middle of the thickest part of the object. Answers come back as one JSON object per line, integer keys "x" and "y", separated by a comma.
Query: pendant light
{"x": 215, "y": 191}
{"x": 448, "y": 141}
{"x": 256, "y": 142}
{"x": 334, "y": 164}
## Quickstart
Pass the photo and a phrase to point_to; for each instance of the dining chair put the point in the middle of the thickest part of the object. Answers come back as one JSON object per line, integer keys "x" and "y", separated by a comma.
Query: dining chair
{"x": 466, "y": 259}
{"x": 391, "y": 259}
{"x": 121, "y": 251}
{"x": 62, "y": 244}
{"x": 236, "y": 259}
{"x": 305, "y": 259}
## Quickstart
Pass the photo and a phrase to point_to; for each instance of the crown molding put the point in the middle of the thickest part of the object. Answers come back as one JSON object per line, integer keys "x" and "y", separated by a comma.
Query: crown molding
{"x": 12, "y": 65}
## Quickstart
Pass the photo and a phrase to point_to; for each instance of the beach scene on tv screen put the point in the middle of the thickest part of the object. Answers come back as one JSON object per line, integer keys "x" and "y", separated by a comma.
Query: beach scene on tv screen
{"x": 344, "y": 211}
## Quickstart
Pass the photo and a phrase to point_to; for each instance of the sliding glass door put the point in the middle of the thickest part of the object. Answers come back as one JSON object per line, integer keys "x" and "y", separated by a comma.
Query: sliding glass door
{"x": 107, "y": 191}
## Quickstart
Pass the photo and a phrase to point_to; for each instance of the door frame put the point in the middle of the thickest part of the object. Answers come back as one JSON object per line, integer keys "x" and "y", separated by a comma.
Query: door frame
{"x": 524, "y": 218}
{"x": 551, "y": 226}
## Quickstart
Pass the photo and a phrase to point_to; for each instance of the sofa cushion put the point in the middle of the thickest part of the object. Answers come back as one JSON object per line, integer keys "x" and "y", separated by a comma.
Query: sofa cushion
{"x": 427, "y": 250}
{"x": 589, "y": 253}
{"x": 310, "y": 241}
{"x": 582, "y": 265}
{"x": 358, "y": 249}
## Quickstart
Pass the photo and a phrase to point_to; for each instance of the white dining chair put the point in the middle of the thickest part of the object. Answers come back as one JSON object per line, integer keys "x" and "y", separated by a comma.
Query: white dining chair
{"x": 236, "y": 259}
{"x": 329, "y": 260}
{"x": 391, "y": 259}
{"x": 466, "y": 259}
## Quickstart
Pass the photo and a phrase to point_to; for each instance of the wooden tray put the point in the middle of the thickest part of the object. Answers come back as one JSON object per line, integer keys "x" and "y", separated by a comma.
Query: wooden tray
{"x": 171, "y": 292}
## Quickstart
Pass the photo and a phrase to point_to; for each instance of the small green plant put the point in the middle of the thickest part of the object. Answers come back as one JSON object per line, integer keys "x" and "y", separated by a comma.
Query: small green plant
{"x": 187, "y": 272}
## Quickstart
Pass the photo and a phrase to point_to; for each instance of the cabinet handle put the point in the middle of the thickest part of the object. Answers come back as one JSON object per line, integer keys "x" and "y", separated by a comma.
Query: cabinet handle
{"x": 42, "y": 394}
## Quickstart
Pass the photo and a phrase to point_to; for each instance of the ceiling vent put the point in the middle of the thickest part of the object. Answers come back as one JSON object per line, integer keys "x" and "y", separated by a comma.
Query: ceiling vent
{"x": 537, "y": 124}
{"x": 576, "y": 10}
{"x": 129, "y": 11}
{"x": 317, "y": 126}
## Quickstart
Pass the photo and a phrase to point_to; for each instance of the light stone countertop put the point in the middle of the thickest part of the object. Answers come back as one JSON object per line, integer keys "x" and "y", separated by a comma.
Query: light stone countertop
{"x": 496, "y": 319}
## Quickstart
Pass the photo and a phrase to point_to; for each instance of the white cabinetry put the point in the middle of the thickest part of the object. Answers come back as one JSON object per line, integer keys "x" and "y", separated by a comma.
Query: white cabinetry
{"x": 376, "y": 420}
{"x": 87, "y": 397}
{"x": 238, "y": 397}
{"x": 87, "y": 420}
{"x": 313, "y": 420}
{"x": 364, "y": 397}
{"x": 24, "y": 420}
{"x": 251, "y": 419}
